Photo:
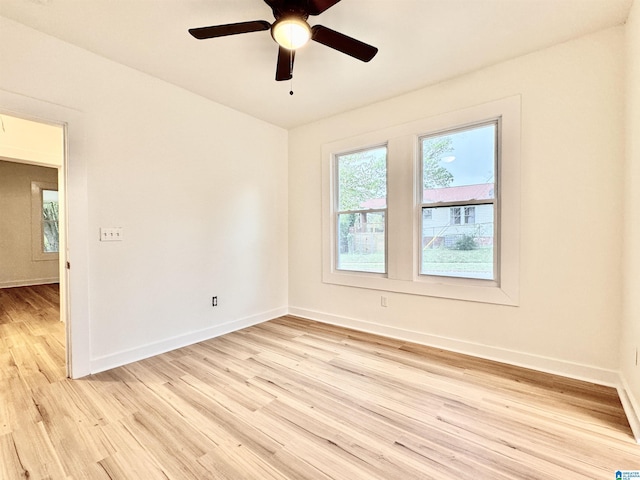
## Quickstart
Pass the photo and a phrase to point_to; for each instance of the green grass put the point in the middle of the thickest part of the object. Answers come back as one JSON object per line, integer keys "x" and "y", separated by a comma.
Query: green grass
{"x": 442, "y": 261}
{"x": 439, "y": 261}
{"x": 371, "y": 262}
{"x": 445, "y": 255}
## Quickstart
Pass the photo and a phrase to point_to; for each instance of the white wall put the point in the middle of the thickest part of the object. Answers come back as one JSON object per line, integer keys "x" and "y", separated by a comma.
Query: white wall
{"x": 572, "y": 146}
{"x": 199, "y": 189}
{"x": 17, "y": 265}
{"x": 631, "y": 314}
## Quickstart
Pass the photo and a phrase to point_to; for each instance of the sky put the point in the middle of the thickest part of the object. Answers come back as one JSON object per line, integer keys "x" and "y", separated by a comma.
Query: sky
{"x": 474, "y": 152}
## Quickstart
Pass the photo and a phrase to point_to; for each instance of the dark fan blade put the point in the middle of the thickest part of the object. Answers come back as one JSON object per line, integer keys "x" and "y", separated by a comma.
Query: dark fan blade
{"x": 284, "y": 68}
{"x": 343, "y": 43}
{"x": 275, "y": 4}
{"x": 316, "y": 7}
{"x": 229, "y": 29}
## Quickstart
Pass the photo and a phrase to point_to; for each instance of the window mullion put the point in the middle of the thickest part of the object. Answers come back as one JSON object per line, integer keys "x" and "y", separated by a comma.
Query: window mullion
{"x": 400, "y": 205}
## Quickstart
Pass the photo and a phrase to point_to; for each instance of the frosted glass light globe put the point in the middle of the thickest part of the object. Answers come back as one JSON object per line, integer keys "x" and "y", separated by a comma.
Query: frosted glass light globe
{"x": 291, "y": 32}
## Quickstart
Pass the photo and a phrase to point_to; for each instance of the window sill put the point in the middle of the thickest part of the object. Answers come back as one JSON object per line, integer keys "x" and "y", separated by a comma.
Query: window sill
{"x": 482, "y": 291}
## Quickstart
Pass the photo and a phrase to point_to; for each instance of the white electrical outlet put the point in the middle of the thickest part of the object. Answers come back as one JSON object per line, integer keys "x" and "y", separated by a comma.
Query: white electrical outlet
{"x": 111, "y": 234}
{"x": 383, "y": 301}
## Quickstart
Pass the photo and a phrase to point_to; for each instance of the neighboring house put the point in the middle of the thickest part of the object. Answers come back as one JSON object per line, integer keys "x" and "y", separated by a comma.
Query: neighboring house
{"x": 444, "y": 226}
{"x": 441, "y": 225}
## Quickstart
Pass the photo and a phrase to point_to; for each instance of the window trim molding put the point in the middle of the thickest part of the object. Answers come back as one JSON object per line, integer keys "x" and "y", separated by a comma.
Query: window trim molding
{"x": 403, "y": 211}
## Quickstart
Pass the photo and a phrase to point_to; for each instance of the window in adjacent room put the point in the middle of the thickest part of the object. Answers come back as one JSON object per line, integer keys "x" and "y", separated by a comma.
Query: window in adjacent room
{"x": 49, "y": 221}
{"x": 44, "y": 221}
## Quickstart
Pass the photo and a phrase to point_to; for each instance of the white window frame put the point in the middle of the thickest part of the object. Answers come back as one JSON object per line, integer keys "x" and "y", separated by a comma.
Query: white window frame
{"x": 404, "y": 209}
{"x": 337, "y": 212}
{"x": 464, "y": 205}
{"x": 37, "y": 234}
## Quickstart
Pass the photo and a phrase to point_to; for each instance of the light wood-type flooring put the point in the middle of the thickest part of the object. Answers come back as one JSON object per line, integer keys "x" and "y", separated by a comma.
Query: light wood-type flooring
{"x": 293, "y": 399}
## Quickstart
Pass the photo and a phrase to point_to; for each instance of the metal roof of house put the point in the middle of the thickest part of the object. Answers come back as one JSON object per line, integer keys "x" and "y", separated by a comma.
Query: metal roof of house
{"x": 482, "y": 191}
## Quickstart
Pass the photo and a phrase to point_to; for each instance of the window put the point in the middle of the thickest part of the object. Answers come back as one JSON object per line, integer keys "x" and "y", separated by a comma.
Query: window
{"x": 44, "y": 221}
{"x": 49, "y": 221}
{"x": 435, "y": 211}
{"x": 459, "y": 173}
{"x": 361, "y": 210}
{"x": 456, "y": 215}
{"x": 469, "y": 215}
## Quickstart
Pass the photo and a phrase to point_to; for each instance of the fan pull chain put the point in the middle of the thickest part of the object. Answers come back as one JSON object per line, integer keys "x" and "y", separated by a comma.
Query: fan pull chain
{"x": 291, "y": 70}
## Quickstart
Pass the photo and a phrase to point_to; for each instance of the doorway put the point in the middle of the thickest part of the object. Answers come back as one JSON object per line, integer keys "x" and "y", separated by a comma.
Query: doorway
{"x": 72, "y": 179}
{"x": 33, "y": 273}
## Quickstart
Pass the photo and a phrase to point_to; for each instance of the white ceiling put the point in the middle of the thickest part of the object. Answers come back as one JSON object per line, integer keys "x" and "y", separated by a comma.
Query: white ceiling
{"x": 421, "y": 42}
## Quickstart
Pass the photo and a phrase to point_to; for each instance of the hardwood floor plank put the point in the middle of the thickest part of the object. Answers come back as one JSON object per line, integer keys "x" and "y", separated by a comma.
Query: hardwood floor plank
{"x": 16, "y": 405}
{"x": 11, "y": 466}
{"x": 235, "y": 428}
{"x": 30, "y": 453}
{"x": 237, "y": 462}
{"x": 375, "y": 454}
{"x": 321, "y": 454}
{"x": 131, "y": 459}
{"x": 295, "y": 466}
{"x": 173, "y": 446}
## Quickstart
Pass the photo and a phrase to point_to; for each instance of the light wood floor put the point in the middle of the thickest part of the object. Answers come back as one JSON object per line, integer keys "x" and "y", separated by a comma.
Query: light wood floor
{"x": 293, "y": 399}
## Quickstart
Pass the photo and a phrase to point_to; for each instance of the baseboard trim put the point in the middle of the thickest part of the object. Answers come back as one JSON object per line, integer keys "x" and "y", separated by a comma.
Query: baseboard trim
{"x": 631, "y": 407}
{"x": 563, "y": 368}
{"x": 107, "y": 362}
{"x": 29, "y": 283}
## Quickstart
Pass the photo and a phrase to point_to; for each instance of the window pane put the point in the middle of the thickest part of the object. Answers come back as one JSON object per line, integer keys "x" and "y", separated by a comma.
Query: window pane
{"x": 362, "y": 180}
{"x": 459, "y": 166}
{"x": 361, "y": 242}
{"x": 455, "y": 216}
{"x": 50, "y": 221}
{"x": 469, "y": 215}
{"x": 458, "y": 246}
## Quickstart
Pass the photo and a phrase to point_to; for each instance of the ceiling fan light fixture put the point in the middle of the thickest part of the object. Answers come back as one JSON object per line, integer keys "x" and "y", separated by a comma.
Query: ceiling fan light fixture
{"x": 291, "y": 32}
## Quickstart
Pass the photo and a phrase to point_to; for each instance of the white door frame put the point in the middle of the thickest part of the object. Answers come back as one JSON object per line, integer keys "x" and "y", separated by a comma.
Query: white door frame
{"x": 74, "y": 242}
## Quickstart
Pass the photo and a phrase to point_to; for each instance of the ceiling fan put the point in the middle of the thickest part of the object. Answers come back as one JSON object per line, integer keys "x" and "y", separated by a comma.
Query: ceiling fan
{"x": 291, "y": 31}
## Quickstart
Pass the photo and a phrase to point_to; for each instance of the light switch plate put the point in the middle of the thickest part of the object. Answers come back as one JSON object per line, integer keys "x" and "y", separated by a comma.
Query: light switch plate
{"x": 111, "y": 234}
